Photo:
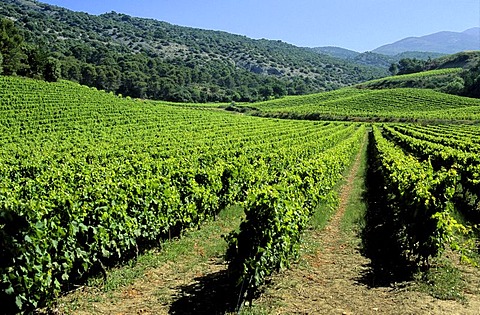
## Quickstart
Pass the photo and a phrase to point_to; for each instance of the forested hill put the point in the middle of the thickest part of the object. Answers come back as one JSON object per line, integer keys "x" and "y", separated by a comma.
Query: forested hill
{"x": 146, "y": 58}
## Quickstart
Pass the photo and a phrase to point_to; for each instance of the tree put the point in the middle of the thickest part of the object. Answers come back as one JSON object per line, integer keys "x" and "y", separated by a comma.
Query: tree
{"x": 71, "y": 70}
{"x": 471, "y": 79}
{"x": 89, "y": 75}
{"x": 456, "y": 86}
{"x": 279, "y": 90}
{"x": 393, "y": 69}
{"x": 407, "y": 65}
{"x": 52, "y": 70}
{"x": 266, "y": 91}
{"x": 11, "y": 42}
{"x": 35, "y": 62}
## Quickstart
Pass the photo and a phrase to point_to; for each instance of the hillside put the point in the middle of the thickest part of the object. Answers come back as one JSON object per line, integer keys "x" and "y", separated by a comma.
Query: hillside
{"x": 441, "y": 42}
{"x": 433, "y": 79}
{"x": 454, "y": 74}
{"x": 146, "y": 58}
{"x": 337, "y": 52}
{"x": 396, "y": 104}
{"x": 373, "y": 59}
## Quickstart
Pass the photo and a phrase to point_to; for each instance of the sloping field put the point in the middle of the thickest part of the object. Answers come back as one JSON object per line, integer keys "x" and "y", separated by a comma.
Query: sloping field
{"x": 401, "y": 103}
{"x": 426, "y": 79}
{"x": 89, "y": 179}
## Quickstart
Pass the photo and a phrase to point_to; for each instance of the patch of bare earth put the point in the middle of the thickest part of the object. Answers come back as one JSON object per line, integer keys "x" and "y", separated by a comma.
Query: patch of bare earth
{"x": 331, "y": 279}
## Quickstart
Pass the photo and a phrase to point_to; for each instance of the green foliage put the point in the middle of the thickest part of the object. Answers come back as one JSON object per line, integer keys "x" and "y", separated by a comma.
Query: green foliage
{"x": 471, "y": 81}
{"x": 443, "y": 281}
{"x": 18, "y": 58}
{"x": 11, "y": 41}
{"x": 452, "y": 163}
{"x": 393, "y": 69}
{"x": 408, "y": 65}
{"x": 351, "y": 104}
{"x": 278, "y": 210}
{"x": 375, "y": 59}
{"x": 89, "y": 179}
{"x": 432, "y": 79}
{"x": 454, "y": 74}
{"x": 417, "y": 200}
{"x": 52, "y": 70}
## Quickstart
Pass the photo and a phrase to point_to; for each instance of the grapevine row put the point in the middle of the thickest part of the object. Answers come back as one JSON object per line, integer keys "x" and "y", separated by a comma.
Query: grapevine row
{"x": 278, "y": 210}
{"x": 414, "y": 203}
{"x": 399, "y": 103}
{"x": 466, "y": 165}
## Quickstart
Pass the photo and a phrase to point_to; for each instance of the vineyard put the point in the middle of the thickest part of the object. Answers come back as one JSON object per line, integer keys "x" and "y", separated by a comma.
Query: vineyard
{"x": 427, "y": 79}
{"x": 89, "y": 179}
{"x": 399, "y": 104}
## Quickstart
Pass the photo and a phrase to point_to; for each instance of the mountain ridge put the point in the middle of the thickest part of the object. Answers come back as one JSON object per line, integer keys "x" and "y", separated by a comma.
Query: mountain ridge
{"x": 374, "y": 59}
{"x": 446, "y": 42}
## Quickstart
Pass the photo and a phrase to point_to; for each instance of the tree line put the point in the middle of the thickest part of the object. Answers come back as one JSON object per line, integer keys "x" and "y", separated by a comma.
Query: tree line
{"x": 138, "y": 75}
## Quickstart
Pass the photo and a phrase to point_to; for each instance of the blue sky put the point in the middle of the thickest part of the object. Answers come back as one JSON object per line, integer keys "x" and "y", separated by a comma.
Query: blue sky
{"x": 360, "y": 25}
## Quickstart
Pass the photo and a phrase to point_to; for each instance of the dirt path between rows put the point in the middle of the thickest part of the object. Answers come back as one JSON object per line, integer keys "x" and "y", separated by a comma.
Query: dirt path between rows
{"x": 332, "y": 279}
{"x": 192, "y": 280}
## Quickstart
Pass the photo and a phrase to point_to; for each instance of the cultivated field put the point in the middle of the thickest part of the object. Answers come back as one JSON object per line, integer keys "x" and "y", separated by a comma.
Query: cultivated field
{"x": 90, "y": 180}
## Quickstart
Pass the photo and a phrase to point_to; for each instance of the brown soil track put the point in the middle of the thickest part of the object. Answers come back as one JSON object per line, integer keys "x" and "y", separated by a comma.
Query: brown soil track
{"x": 331, "y": 280}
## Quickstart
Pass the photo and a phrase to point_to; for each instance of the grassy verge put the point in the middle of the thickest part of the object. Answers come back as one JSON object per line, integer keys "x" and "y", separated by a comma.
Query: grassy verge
{"x": 354, "y": 218}
{"x": 442, "y": 281}
{"x": 356, "y": 208}
{"x": 450, "y": 277}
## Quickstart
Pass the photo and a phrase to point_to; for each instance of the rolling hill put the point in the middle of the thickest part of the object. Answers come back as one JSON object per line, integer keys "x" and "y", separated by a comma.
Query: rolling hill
{"x": 395, "y": 104}
{"x": 145, "y": 58}
{"x": 454, "y": 74}
{"x": 373, "y": 59}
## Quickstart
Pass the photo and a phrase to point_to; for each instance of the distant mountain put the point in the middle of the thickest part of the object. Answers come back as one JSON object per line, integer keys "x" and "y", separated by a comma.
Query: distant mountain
{"x": 442, "y": 42}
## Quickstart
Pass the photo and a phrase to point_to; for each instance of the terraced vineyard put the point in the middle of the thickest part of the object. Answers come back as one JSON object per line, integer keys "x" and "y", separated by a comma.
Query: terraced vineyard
{"x": 401, "y": 104}
{"x": 87, "y": 179}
